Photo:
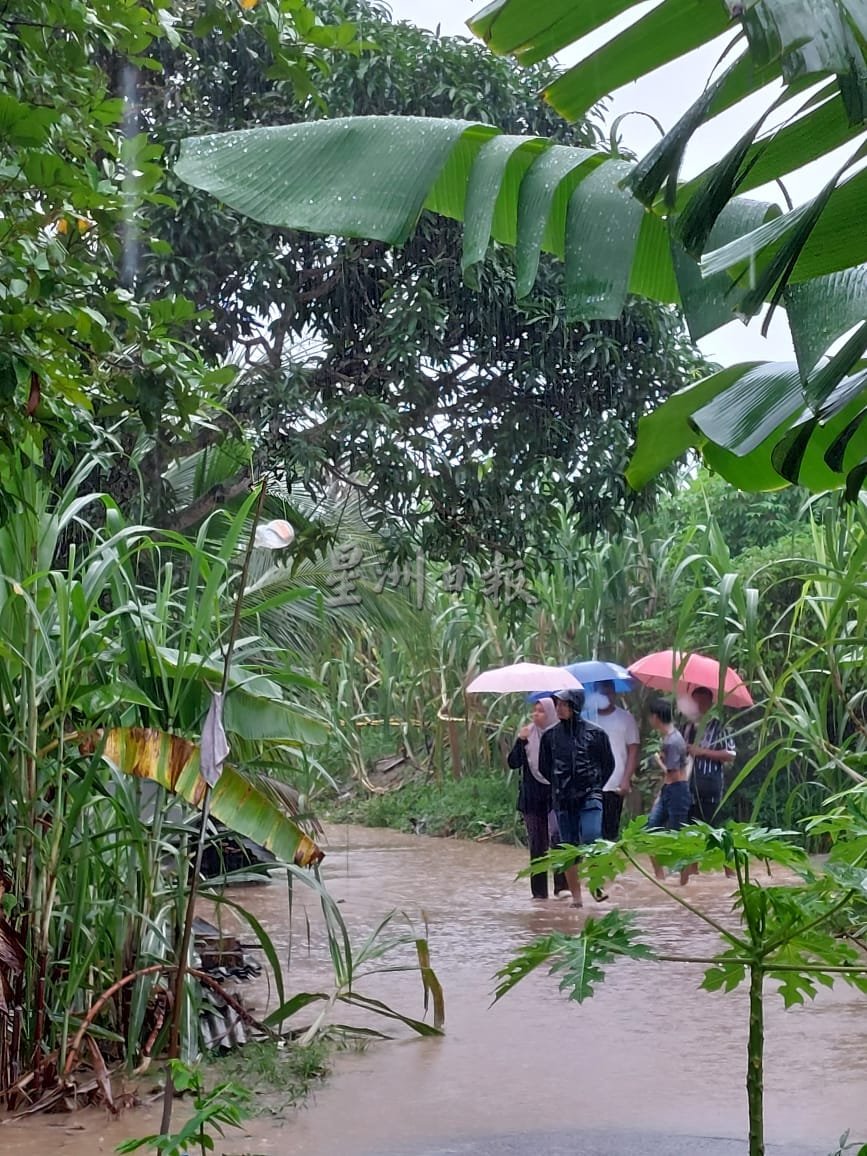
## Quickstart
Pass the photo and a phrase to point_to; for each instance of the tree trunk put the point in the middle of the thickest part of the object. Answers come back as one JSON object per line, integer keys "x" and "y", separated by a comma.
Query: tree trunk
{"x": 755, "y": 1062}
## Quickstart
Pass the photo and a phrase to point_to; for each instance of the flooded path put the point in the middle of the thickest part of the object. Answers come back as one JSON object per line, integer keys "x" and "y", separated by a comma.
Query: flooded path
{"x": 649, "y": 1053}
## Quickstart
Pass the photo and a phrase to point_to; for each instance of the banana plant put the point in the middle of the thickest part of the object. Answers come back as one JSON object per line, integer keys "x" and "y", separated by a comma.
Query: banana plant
{"x": 112, "y": 628}
{"x": 624, "y": 226}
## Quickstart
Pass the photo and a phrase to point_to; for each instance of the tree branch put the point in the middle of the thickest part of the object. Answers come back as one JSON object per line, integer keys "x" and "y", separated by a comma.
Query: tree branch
{"x": 217, "y": 496}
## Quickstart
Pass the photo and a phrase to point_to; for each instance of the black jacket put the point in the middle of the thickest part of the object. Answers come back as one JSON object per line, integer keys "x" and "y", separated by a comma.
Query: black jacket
{"x": 576, "y": 758}
{"x": 534, "y": 798}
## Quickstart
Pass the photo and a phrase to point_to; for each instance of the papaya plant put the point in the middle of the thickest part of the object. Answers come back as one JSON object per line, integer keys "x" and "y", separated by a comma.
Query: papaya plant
{"x": 801, "y": 932}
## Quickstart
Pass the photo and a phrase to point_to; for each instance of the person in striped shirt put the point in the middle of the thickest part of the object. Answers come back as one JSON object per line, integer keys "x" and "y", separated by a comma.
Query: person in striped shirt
{"x": 712, "y": 748}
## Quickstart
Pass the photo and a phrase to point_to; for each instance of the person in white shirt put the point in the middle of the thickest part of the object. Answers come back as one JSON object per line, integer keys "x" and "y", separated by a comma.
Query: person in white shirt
{"x": 622, "y": 731}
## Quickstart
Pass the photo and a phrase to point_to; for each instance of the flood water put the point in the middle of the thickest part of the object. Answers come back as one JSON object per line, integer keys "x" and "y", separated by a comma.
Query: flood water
{"x": 649, "y": 1051}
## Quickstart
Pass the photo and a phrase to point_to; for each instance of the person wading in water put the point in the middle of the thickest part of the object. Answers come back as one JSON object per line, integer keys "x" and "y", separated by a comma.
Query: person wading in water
{"x": 534, "y": 794}
{"x": 575, "y": 757}
{"x": 712, "y": 748}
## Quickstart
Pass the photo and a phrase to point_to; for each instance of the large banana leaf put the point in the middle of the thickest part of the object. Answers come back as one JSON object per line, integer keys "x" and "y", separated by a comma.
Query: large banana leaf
{"x": 804, "y": 259}
{"x": 373, "y": 176}
{"x": 173, "y": 762}
{"x": 753, "y": 425}
{"x": 699, "y": 245}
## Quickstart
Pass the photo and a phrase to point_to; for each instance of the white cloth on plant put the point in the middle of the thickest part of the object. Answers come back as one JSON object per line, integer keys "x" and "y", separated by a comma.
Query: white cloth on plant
{"x": 214, "y": 747}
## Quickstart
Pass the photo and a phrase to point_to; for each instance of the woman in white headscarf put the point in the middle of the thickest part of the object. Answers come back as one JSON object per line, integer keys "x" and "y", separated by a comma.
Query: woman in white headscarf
{"x": 534, "y": 794}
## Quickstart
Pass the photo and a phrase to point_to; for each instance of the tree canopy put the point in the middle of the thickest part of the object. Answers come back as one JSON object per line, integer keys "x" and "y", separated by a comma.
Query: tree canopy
{"x": 452, "y": 407}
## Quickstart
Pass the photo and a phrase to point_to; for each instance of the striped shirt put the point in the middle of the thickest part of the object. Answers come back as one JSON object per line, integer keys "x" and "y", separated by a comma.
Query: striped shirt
{"x": 708, "y": 775}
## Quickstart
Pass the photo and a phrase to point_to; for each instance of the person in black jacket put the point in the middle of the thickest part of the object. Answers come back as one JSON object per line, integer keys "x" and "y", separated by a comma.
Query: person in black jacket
{"x": 534, "y": 793}
{"x": 576, "y": 758}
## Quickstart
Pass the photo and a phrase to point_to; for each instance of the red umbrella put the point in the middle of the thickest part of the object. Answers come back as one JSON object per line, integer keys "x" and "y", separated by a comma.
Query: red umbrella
{"x": 673, "y": 670}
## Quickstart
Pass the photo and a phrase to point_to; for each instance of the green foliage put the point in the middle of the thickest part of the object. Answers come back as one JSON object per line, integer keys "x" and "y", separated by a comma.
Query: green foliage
{"x": 354, "y": 963}
{"x": 278, "y": 1075}
{"x": 365, "y": 350}
{"x": 90, "y": 353}
{"x": 747, "y": 522}
{"x": 624, "y": 226}
{"x": 846, "y": 1146}
{"x": 578, "y": 961}
{"x": 124, "y": 631}
{"x": 763, "y": 602}
{"x": 76, "y": 345}
{"x": 224, "y": 1106}
{"x": 799, "y": 934}
{"x": 470, "y": 806}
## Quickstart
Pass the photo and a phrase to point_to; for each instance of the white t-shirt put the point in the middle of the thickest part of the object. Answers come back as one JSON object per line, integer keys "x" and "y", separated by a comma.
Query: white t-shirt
{"x": 622, "y": 731}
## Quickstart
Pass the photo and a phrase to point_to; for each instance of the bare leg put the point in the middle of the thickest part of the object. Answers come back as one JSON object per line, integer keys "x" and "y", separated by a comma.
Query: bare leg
{"x": 687, "y": 872}
{"x": 657, "y": 869}
{"x": 574, "y": 885}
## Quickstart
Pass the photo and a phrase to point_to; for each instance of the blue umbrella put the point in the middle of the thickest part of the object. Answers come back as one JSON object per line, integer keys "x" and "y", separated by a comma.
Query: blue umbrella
{"x": 597, "y": 671}
{"x": 591, "y": 672}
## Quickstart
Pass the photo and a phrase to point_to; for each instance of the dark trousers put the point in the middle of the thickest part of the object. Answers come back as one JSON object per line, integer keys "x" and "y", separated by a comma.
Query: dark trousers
{"x": 612, "y": 808}
{"x": 704, "y": 807}
{"x": 537, "y": 836}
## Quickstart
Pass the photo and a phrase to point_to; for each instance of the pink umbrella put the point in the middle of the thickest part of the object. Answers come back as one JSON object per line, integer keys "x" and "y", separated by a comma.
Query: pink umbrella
{"x": 523, "y": 676}
{"x": 674, "y": 670}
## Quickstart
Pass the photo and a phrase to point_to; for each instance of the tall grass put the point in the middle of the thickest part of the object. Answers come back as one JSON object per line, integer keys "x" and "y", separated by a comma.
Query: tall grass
{"x": 789, "y": 614}
{"x": 108, "y": 625}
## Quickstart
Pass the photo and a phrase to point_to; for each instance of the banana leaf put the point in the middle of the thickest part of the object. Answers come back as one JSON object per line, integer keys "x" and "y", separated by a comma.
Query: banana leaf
{"x": 173, "y": 762}
{"x": 372, "y": 177}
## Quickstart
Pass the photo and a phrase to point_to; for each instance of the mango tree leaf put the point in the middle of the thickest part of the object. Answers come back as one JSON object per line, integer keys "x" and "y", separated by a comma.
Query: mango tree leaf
{"x": 173, "y": 762}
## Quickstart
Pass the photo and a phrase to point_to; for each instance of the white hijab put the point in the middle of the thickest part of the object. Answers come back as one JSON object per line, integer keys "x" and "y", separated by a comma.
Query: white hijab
{"x": 534, "y": 739}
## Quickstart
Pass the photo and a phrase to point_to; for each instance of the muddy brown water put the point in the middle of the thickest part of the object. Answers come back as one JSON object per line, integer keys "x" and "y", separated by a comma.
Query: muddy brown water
{"x": 649, "y": 1052}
